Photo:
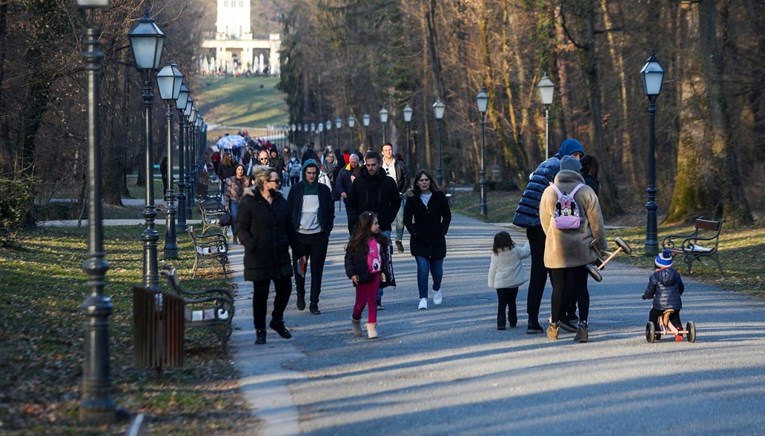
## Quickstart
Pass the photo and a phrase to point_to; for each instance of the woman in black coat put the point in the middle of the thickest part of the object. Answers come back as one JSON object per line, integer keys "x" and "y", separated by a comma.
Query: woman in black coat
{"x": 427, "y": 216}
{"x": 265, "y": 229}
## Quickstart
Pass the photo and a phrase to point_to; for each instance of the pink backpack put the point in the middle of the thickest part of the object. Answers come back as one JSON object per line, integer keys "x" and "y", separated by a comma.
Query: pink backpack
{"x": 566, "y": 214}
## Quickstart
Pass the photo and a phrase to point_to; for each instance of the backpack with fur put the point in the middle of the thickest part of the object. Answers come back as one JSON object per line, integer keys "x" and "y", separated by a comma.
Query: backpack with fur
{"x": 566, "y": 215}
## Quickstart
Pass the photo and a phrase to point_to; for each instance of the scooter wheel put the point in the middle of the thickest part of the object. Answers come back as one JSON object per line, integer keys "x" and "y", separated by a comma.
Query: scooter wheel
{"x": 691, "y": 335}
{"x": 594, "y": 272}
{"x": 623, "y": 245}
{"x": 650, "y": 332}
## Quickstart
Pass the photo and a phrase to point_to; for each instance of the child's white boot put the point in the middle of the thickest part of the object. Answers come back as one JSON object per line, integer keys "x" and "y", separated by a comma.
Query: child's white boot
{"x": 371, "y": 330}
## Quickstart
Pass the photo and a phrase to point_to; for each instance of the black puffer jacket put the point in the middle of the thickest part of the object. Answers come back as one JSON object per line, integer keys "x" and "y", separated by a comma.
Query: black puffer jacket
{"x": 376, "y": 193}
{"x": 266, "y": 231}
{"x": 428, "y": 225}
{"x": 665, "y": 287}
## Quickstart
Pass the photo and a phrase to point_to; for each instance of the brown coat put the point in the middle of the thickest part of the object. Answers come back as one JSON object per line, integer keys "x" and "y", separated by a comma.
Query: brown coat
{"x": 570, "y": 248}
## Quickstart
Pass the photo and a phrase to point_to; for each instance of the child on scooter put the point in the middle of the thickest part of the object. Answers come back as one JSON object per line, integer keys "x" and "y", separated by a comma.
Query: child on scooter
{"x": 665, "y": 286}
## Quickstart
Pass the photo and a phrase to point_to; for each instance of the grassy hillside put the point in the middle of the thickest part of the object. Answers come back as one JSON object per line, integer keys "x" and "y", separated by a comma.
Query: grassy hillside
{"x": 233, "y": 103}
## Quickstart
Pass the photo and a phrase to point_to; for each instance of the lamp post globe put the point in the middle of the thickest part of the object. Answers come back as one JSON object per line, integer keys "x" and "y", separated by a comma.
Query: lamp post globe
{"x": 482, "y": 101}
{"x": 546, "y": 89}
{"x": 146, "y": 42}
{"x": 653, "y": 78}
{"x": 97, "y": 404}
{"x": 438, "y": 110}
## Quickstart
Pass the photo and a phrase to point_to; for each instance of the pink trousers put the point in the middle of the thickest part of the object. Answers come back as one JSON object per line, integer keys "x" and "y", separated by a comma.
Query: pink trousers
{"x": 366, "y": 295}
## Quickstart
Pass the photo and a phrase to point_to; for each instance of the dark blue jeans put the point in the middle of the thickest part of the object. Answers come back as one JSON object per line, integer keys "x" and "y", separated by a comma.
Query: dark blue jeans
{"x": 425, "y": 266}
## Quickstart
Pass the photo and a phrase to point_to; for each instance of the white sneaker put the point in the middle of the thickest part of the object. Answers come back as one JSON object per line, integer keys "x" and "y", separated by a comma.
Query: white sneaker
{"x": 423, "y": 304}
{"x": 438, "y": 298}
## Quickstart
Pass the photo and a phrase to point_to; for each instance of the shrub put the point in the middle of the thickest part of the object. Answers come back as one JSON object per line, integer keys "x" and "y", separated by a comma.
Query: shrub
{"x": 16, "y": 199}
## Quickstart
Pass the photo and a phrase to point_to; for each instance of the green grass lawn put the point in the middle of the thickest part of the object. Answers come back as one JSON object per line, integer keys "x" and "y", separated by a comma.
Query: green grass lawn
{"x": 742, "y": 250}
{"x": 242, "y": 102}
{"x": 42, "y": 332}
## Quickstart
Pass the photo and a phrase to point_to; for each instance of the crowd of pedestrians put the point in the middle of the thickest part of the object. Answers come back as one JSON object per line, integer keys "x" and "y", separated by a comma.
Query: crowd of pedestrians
{"x": 379, "y": 196}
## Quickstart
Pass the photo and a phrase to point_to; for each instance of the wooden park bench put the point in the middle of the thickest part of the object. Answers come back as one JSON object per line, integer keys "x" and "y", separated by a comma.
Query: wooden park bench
{"x": 208, "y": 247}
{"x": 701, "y": 243}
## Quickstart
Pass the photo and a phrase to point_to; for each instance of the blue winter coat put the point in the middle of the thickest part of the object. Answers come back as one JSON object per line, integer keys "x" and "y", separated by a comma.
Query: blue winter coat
{"x": 665, "y": 287}
{"x": 527, "y": 214}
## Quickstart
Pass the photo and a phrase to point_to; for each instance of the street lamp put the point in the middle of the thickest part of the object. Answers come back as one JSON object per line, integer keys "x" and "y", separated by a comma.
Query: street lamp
{"x": 365, "y": 121}
{"x": 322, "y": 138}
{"x": 146, "y": 42}
{"x": 653, "y": 78}
{"x": 169, "y": 81}
{"x": 180, "y": 104}
{"x": 351, "y": 124}
{"x": 97, "y": 404}
{"x": 293, "y": 140}
{"x": 438, "y": 109}
{"x": 408, "y": 120}
{"x": 192, "y": 140}
{"x": 546, "y": 88}
{"x": 338, "y": 126}
{"x": 482, "y": 101}
{"x": 384, "y": 121}
{"x": 329, "y": 127}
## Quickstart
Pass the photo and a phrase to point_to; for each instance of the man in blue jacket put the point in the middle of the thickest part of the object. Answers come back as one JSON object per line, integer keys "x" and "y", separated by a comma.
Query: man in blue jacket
{"x": 313, "y": 214}
{"x": 527, "y": 216}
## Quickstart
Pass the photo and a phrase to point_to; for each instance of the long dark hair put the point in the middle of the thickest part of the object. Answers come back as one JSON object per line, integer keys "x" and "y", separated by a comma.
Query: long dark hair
{"x": 502, "y": 241}
{"x": 590, "y": 166}
{"x": 362, "y": 232}
{"x": 416, "y": 186}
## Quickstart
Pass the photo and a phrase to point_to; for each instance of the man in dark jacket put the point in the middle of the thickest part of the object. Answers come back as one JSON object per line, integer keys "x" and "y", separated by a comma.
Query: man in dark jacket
{"x": 527, "y": 215}
{"x": 376, "y": 192}
{"x": 343, "y": 187}
{"x": 265, "y": 229}
{"x": 396, "y": 170}
{"x": 313, "y": 215}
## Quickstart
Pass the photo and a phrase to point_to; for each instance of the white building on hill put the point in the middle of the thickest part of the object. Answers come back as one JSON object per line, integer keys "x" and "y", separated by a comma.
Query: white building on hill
{"x": 234, "y": 49}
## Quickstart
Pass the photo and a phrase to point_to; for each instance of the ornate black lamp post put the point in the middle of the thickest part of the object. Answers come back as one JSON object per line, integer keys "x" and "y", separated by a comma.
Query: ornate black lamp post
{"x": 327, "y": 137}
{"x": 365, "y": 120}
{"x": 653, "y": 78}
{"x": 408, "y": 151}
{"x": 351, "y": 124}
{"x": 185, "y": 114}
{"x": 96, "y": 404}
{"x": 169, "y": 80}
{"x": 338, "y": 126}
{"x": 438, "y": 109}
{"x": 384, "y": 121}
{"x": 146, "y": 41}
{"x": 482, "y": 101}
{"x": 546, "y": 89}
{"x": 180, "y": 104}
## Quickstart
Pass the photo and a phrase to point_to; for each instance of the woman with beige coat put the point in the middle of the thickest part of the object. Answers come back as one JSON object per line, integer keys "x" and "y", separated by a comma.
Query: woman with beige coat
{"x": 567, "y": 251}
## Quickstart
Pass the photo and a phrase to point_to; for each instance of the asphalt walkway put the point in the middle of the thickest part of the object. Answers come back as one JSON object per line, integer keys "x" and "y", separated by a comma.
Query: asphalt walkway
{"x": 447, "y": 370}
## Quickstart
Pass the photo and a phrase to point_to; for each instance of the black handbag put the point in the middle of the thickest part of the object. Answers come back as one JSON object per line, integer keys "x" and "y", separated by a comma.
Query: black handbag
{"x": 388, "y": 278}
{"x": 225, "y": 219}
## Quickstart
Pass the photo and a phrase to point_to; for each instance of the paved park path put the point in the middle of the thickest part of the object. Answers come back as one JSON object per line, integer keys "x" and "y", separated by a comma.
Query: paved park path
{"x": 448, "y": 370}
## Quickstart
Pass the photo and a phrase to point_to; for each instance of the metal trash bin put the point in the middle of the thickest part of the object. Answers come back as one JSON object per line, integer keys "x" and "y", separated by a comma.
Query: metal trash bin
{"x": 158, "y": 329}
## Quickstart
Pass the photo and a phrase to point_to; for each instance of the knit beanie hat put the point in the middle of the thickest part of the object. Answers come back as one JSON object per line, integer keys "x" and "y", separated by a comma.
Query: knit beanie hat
{"x": 664, "y": 259}
{"x": 570, "y": 163}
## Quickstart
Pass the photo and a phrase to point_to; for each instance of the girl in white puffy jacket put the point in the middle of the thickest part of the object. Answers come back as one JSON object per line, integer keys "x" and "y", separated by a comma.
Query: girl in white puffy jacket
{"x": 506, "y": 274}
